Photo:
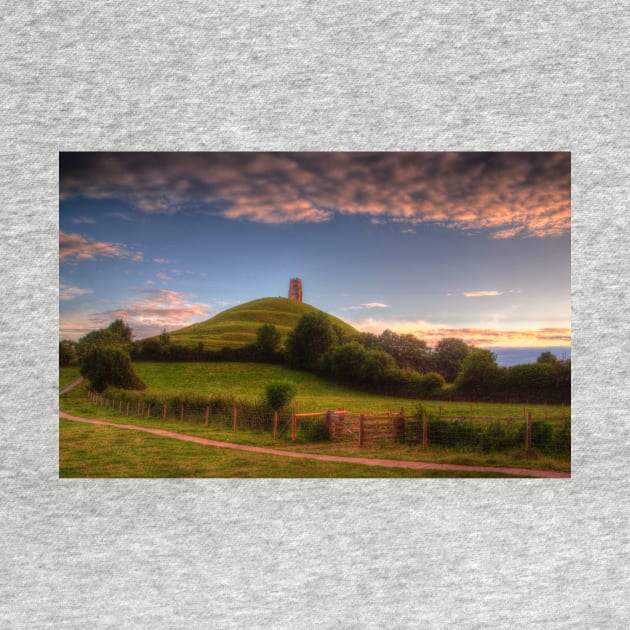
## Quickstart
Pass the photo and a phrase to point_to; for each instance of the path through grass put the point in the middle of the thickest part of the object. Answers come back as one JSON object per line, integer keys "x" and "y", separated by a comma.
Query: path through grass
{"x": 93, "y": 451}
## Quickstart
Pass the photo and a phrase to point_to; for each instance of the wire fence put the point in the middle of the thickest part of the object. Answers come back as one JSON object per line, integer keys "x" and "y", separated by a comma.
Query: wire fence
{"x": 455, "y": 432}
{"x": 476, "y": 433}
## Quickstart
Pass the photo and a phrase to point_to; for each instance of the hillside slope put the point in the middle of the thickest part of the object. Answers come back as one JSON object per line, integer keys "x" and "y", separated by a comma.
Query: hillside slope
{"x": 237, "y": 326}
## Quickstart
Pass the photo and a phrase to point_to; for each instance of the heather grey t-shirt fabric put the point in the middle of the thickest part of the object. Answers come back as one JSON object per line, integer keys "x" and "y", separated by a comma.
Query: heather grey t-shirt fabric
{"x": 314, "y": 553}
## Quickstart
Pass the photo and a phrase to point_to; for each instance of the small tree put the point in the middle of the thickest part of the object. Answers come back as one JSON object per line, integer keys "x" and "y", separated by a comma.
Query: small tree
{"x": 110, "y": 365}
{"x": 279, "y": 394}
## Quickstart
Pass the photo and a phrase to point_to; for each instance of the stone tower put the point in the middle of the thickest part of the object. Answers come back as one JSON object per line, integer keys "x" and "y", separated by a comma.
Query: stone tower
{"x": 295, "y": 289}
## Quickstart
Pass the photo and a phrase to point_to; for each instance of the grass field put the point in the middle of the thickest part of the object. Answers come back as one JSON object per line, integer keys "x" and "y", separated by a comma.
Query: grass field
{"x": 237, "y": 326}
{"x": 248, "y": 380}
{"x": 75, "y": 402}
{"x": 92, "y": 451}
{"x": 67, "y": 375}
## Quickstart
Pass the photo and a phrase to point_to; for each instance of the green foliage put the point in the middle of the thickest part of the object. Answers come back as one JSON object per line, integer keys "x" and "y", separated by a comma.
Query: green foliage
{"x": 369, "y": 341}
{"x": 111, "y": 365}
{"x": 268, "y": 340}
{"x": 448, "y": 356}
{"x": 313, "y": 429}
{"x": 375, "y": 366}
{"x": 547, "y": 357}
{"x": 408, "y": 351}
{"x": 346, "y": 363}
{"x": 489, "y": 436}
{"x": 116, "y": 334}
{"x": 433, "y": 384}
{"x": 479, "y": 376}
{"x": 67, "y": 353}
{"x": 278, "y": 394}
{"x": 531, "y": 380}
{"x": 313, "y": 336}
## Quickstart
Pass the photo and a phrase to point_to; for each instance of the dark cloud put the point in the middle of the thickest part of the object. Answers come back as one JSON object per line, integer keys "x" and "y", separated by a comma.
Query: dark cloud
{"x": 509, "y": 194}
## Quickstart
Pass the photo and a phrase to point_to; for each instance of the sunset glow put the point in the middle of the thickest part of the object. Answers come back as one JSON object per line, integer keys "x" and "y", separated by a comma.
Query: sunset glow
{"x": 469, "y": 245}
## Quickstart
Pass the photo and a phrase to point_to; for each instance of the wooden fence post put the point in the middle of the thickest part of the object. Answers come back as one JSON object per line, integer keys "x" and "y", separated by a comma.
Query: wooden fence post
{"x": 138, "y": 409}
{"x": 164, "y": 413}
{"x": 149, "y": 410}
{"x": 329, "y": 423}
{"x": 425, "y": 430}
{"x": 181, "y": 413}
{"x": 293, "y": 426}
{"x": 528, "y": 435}
{"x": 128, "y": 403}
{"x": 235, "y": 416}
{"x": 361, "y": 429}
{"x": 207, "y": 414}
{"x": 120, "y": 406}
{"x": 275, "y": 424}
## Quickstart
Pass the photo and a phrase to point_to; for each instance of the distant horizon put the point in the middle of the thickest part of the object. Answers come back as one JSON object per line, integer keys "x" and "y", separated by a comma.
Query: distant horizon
{"x": 468, "y": 245}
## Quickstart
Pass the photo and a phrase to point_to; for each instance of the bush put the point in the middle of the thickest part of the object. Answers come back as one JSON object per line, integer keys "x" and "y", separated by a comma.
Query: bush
{"x": 279, "y": 393}
{"x": 314, "y": 429}
{"x": 107, "y": 366}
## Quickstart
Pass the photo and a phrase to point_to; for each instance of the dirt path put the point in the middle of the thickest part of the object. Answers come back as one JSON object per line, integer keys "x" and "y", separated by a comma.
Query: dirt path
{"x": 72, "y": 385}
{"x": 366, "y": 461}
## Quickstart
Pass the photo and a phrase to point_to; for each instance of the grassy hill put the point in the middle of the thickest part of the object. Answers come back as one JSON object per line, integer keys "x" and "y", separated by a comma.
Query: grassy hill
{"x": 237, "y": 326}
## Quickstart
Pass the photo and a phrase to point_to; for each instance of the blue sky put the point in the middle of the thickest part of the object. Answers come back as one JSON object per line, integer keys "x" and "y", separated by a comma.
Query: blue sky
{"x": 469, "y": 245}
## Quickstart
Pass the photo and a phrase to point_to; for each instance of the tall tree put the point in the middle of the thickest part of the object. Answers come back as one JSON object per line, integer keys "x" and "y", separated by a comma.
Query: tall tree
{"x": 307, "y": 343}
{"x": 448, "y": 355}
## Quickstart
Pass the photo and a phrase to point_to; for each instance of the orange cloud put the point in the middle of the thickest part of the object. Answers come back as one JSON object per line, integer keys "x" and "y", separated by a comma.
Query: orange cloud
{"x": 77, "y": 247}
{"x": 498, "y": 337}
{"x": 482, "y": 293}
{"x": 70, "y": 293}
{"x": 147, "y": 315}
{"x": 507, "y": 194}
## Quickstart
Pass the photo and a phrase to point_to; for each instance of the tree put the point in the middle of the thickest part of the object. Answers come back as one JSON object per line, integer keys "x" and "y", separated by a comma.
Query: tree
{"x": 547, "y": 357}
{"x": 346, "y": 363}
{"x": 279, "y": 393}
{"x": 111, "y": 365}
{"x": 448, "y": 356}
{"x": 376, "y": 365}
{"x": 267, "y": 341}
{"x": 479, "y": 376}
{"x": 116, "y": 334}
{"x": 67, "y": 353}
{"x": 307, "y": 343}
{"x": 408, "y": 351}
{"x": 368, "y": 340}
{"x": 165, "y": 343}
{"x": 118, "y": 327}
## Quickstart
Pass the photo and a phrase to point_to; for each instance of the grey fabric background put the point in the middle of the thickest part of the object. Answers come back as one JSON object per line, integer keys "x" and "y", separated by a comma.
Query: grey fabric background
{"x": 321, "y": 76}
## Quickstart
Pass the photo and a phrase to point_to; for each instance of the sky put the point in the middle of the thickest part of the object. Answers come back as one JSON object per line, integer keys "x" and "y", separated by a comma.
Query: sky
{"x": 470, "y": 245}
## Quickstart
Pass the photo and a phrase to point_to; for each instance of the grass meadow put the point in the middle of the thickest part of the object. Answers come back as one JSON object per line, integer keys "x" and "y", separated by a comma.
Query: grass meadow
{"x": 248, "y": 380}
{"x": 93, "y": 451}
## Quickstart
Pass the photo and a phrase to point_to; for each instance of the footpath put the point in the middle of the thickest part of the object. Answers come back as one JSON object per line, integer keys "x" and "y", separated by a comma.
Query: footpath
{"x": 365, "y": 461}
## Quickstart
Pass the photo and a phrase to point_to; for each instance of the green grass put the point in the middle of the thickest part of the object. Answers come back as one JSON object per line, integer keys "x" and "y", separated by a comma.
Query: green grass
{"x": 248, "y": 380}
{"x": 237, "y": 326}
{"x": 93, "y": 451}
{"x": 67, "y": 375}
{"x": 76, "y": 403}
